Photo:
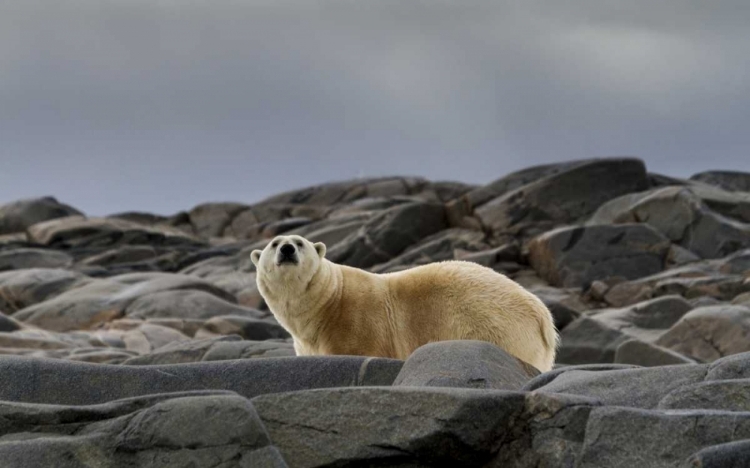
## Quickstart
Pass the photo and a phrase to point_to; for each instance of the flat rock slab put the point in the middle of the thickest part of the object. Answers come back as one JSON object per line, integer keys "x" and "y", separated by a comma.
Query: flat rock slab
{"x": 166, "y": 430}
{"x": 37, "y": 380}
{"x": 728, "y": 395}
{"x": 709, "y": 333}
{"x": 464, "y": 364}
{"x": 637, "y": 388}
{"x": 648, "y": 355}
{"x": 626, "y": 437}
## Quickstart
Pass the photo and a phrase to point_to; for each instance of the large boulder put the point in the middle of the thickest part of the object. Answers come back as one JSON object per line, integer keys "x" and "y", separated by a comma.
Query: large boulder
{"x": 402, "y": 426}
{"x": 647, "y": 320}
{"x": 562, "y": 198}
{"x": 34, "y": 380}
{"x": 465, "y": 364}
{"x": 588, "y": 341}
{"x": 708, "y": 333}
{"x": 620, "y": 437}
{"x": 576, "y": 256}
{"x": 435, "y": 248}
{"x": 711, "y": 223}
{"x": 389, "y": 234}
{"x": 19, "y": 215}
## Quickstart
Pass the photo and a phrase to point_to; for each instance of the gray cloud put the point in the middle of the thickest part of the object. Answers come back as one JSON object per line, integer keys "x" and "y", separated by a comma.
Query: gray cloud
{"x": 157, "y": 106}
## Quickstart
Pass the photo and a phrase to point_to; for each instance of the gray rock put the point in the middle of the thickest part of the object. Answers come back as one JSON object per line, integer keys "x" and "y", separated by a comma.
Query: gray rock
{"x": 708, "y": 333}
{"x": 638, "y": 388}
{"x": 716, "y": 236}
{"x": 727, "y": 180}
{"x": 565, "y": 305}
{"x": 223, "y": 348}
{"x": 7, "y": 324}
{"x": 563, "y": 198}
{"x": 82, "y": 232}
{"x": 186, "y": 304}
{"x": 576, "y": 256}
{"x": 648, "y": 355}
{"x": 588, "y": 341}
{"x": 149, "y": 336}
{"x": 461, "y": 209}
{"x": 211, "y": 219}
{"x": 464, "y": 364}
{"x": 709, "y": 222}
{"x": 247, "y": 328}
{"x": 647, "y": 320}
{"x": 729, "y": 455}
{"x": 52, "y": 381}
{"x": 399, "y": 426}
{"x": 17, "y": 259}
{"x": 435, "y": 248}
{"x": 547, "y": 377}
{"x": 225, "y": 351}
{"x": 490, "y": 258}
{"x": 717, "y": 286}
{"x": 344, "y": 192}
{"x": 102, "y": 301}
{"x": 736, "y": 264}
{"x": 139, "y": 217}
{"x": 727, "y": 395}
{"x": 123, "y": 254}
{"x": 389, "y": 234}
{"x": 183, "y": 429}
{"x": 736, "y": 366}
{"x": 179, "y": 352}
{"x": 19, "y": 215}
{"x": 22, "y": 288}
{"x": 742, "y": 299}
{"x": 624, "y": 437}
{"x": 680, "y": 256}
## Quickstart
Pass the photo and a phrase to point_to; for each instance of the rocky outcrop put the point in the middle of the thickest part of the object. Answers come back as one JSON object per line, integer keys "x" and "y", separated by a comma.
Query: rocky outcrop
{"x": 142, "y": 340}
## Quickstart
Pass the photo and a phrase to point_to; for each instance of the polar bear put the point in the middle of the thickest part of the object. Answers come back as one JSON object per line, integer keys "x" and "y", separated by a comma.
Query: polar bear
{"x": 336, "y": 309}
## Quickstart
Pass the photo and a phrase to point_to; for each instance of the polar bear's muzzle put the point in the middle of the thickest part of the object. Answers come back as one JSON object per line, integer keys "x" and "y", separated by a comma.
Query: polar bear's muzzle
{"x": 287, "y": 254}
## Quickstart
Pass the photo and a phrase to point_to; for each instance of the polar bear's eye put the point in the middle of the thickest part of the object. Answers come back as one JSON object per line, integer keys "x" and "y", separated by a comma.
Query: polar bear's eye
{"x": 299, "y": 244}
{"x": 275, "y": 244}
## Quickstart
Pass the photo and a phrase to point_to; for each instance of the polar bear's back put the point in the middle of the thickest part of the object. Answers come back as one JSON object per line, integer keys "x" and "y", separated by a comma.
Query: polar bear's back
{"x": 463, "y": 300}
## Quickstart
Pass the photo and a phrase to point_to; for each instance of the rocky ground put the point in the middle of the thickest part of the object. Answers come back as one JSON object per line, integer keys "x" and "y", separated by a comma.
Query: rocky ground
{"x": 141, "y": 340}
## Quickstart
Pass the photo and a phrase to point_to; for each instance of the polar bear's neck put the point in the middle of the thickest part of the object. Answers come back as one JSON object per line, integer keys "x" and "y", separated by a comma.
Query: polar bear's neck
{"x": 300, "y": 309}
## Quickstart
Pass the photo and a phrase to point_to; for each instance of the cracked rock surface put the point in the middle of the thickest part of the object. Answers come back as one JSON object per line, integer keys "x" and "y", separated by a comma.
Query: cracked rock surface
{"x": 141, "y": 340}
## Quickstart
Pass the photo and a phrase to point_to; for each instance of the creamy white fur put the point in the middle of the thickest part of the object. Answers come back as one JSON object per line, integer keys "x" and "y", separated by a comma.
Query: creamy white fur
{"x": 335, "y": 309}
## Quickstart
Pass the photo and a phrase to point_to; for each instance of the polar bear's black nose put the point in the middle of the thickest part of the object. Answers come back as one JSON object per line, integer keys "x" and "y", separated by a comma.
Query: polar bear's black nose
{"x": 287, "y": 250}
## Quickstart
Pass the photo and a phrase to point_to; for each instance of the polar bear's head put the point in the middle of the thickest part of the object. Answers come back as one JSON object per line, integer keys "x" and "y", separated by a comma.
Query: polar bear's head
{"x": 289, "y": 259}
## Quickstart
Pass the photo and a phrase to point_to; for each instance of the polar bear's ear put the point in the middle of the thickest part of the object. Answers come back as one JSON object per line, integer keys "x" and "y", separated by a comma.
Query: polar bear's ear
{"x": 255, "y": 256}
{"x": 320, "y": 248}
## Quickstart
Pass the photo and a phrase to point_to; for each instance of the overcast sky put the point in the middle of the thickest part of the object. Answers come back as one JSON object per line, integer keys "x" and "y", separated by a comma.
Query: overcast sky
{"x": 160, "y": 105}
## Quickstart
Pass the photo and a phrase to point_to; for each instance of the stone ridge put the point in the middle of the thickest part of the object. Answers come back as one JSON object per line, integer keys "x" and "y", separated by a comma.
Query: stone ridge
{"x": 141, "y": 340}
